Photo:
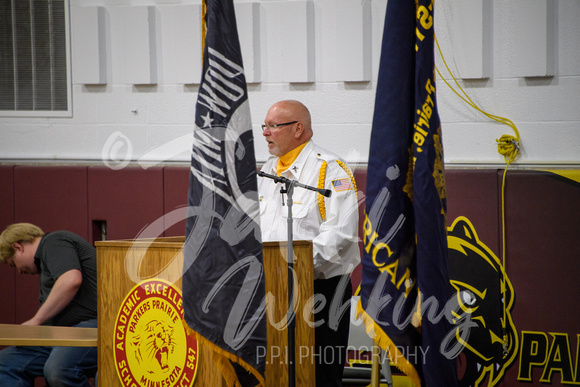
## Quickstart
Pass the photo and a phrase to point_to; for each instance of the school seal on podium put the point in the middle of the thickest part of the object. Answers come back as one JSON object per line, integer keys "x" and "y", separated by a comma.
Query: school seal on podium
{"x": 151, "y": 345}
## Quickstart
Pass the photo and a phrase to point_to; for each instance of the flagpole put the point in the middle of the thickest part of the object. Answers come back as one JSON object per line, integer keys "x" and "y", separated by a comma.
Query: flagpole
{"x": 203, "y": 27}
{"x": 375, "y": 372}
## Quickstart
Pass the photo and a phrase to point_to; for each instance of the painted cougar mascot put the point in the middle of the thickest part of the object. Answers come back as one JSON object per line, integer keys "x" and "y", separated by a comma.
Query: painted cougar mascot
{"x": 477, "y": 276}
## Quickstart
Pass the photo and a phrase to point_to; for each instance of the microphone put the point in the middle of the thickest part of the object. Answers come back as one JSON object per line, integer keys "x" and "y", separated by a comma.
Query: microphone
{"x": 324, "y": 192}
{"x": 277, "y": 179}
{"x": 281, "y": 179}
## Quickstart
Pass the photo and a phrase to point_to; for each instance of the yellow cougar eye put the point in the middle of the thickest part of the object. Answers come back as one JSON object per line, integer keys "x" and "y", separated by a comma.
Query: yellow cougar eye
{"x": 468, "y": 298}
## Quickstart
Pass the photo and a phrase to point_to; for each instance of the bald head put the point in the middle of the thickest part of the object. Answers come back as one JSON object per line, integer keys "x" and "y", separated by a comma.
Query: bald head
{"x": 283, "y": 139}
{"x": 297, "y": 110}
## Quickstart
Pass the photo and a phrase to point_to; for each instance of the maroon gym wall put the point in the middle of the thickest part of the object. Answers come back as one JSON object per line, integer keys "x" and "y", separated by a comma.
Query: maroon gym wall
{"x": 542, "y": 225}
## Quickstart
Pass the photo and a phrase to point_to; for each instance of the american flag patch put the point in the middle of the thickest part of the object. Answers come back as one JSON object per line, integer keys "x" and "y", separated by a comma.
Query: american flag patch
{"x": 341, "y": 184}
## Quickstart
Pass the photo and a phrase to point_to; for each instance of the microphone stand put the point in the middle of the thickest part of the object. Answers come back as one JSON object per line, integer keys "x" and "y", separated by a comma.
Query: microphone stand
{"x": 288, "y": 189}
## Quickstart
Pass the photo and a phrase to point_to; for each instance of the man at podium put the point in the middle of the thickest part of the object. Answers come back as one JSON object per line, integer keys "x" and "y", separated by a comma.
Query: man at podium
{"x": 67, "y": 266}
{"x": 330, "y": 222}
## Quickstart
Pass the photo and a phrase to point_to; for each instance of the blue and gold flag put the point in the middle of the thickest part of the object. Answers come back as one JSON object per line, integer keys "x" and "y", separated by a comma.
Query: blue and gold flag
{"x": 223, "y": 278}
{"x": 405, "y": 283}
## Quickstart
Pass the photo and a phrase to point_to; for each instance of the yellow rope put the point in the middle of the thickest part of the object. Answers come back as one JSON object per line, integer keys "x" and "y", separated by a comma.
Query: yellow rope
{"x": 509, "y": 147}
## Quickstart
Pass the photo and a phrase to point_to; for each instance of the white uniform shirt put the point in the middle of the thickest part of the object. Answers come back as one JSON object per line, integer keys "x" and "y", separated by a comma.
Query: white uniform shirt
{"x": 335, "y": 240}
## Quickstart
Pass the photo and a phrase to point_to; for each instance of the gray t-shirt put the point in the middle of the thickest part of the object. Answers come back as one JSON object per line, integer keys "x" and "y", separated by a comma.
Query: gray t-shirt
{"x": 57, "y": 253}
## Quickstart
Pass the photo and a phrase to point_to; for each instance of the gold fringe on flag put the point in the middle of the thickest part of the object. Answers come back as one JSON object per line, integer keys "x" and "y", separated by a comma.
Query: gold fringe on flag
{"x": 387, "y": 345}
{"x": 220, "y": 359}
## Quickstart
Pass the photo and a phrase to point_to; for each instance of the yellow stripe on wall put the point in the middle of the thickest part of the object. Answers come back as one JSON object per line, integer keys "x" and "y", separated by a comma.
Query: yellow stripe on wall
{"x": 572, "y": 174}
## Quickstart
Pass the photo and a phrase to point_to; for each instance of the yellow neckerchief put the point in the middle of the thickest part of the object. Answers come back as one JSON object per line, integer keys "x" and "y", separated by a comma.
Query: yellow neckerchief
{"x": 287, "y": 159}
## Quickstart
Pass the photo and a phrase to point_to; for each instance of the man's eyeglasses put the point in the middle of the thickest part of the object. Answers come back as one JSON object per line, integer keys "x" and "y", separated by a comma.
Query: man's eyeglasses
{"x": 274, "y": 126}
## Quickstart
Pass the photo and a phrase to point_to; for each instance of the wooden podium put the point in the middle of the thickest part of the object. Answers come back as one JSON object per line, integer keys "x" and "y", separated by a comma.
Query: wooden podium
{"x": 122, "y": 264}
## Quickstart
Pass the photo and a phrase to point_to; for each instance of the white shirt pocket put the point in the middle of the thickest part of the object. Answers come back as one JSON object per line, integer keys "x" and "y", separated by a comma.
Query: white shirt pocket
{"x": 303, "y": 202}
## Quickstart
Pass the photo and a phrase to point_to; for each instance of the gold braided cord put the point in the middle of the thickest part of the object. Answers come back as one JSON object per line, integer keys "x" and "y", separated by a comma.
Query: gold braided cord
{"x": 350, "y": 175}
{"x": 508, "y": 147}
{"x": 321, "y": 179}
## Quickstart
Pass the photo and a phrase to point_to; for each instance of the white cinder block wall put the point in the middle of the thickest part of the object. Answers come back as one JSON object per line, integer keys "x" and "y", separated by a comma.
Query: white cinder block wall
{"x": 137, "y": 65}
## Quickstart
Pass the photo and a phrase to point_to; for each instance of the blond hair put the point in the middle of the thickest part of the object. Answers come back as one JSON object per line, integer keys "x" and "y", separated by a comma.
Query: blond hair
{"x": 17, "y": 233}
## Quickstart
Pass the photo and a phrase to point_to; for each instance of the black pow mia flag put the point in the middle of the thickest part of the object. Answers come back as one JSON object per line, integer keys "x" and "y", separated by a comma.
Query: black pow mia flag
{"x": 223, "y": 277}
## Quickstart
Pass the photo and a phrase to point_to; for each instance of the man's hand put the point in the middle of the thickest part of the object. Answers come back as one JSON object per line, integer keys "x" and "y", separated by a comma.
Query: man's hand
{"x": 32, "y": 321}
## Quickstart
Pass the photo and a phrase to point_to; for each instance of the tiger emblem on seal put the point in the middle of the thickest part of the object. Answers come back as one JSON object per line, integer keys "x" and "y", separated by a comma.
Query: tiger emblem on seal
{"x": 154, "y": 345}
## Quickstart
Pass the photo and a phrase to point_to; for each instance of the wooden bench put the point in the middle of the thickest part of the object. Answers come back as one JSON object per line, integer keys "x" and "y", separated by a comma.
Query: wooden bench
{"x": 14, "y": 334}
{"x": 31, "y": 335}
